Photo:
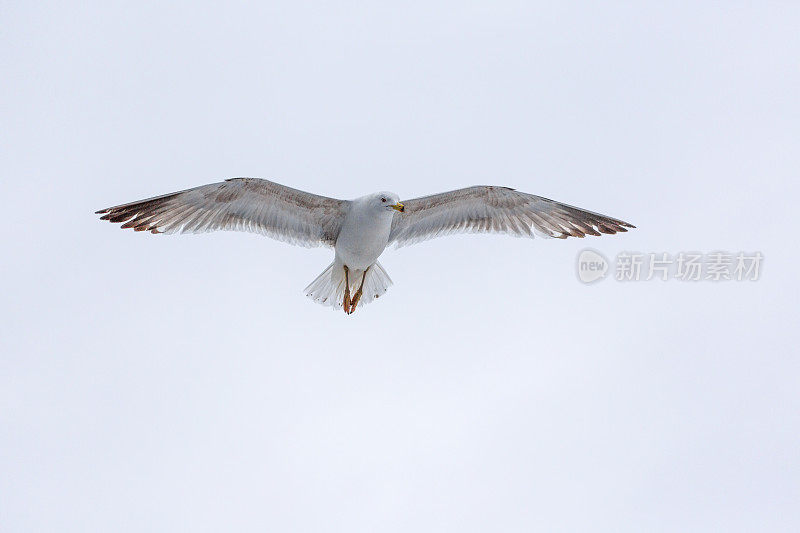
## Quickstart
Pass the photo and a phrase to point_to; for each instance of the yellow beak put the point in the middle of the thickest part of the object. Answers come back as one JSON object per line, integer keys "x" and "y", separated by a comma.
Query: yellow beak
{"x": 398, "y": 206}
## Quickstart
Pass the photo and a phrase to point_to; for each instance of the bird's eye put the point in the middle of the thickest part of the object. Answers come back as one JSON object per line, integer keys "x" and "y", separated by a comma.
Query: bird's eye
{"x": 383, "y": 200}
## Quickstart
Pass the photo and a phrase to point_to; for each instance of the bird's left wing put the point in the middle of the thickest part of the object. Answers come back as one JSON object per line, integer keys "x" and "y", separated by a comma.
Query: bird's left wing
{"x": 487, "y": 209}
{"x": 239, "y": 204}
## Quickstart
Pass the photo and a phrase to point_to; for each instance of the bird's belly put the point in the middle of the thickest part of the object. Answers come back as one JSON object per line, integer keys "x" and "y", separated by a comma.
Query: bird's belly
{"x": 360, "y": 249}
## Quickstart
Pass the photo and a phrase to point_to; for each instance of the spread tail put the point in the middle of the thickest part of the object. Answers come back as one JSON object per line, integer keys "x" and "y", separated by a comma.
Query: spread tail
{"x": 328, "y": 288}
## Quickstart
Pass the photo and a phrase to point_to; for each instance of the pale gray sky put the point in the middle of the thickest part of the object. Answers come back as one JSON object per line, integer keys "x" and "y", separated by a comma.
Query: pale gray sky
{"x": 185, "y": 383}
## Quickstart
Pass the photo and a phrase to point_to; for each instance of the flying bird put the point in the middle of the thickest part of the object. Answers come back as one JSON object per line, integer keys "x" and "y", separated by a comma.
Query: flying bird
{"x": 358, "y": 230}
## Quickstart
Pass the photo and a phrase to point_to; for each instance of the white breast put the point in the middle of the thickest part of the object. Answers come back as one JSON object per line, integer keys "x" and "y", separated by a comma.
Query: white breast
{"x": 364, "y": 235}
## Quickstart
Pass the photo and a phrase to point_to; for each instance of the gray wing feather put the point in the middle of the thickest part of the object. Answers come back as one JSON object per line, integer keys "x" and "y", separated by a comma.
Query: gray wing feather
{"x": 487, "y": 209}
{"x": 238, "y": 204}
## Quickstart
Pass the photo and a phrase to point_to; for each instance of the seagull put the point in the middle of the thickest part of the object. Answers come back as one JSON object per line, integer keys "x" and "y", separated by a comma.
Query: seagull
{"x": 358, "y": 230}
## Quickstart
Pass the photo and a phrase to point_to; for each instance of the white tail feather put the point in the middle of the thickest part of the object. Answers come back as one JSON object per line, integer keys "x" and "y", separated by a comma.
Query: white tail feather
{"x": 328, "y": 288}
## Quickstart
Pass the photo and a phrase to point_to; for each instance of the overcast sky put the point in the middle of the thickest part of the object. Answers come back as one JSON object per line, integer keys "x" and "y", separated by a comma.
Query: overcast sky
{"x": 184, "y": 383}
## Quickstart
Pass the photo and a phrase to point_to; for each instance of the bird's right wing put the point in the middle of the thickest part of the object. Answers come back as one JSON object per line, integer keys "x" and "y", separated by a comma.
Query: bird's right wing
{"x": 238, "y": 204}
{"x": 487, "y": 209}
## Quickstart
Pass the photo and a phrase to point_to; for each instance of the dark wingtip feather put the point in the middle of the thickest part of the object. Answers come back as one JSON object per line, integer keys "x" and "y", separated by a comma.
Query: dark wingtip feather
{"x": 119, "y": 217}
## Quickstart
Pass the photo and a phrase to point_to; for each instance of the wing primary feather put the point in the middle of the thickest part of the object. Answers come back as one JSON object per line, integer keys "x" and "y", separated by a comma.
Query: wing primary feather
{"x": 490, "y": 209}
{"x": 238, "y": 204}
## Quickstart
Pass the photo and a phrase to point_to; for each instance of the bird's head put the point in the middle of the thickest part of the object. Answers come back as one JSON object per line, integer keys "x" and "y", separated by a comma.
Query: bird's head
{"x": 387, "y": 200}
